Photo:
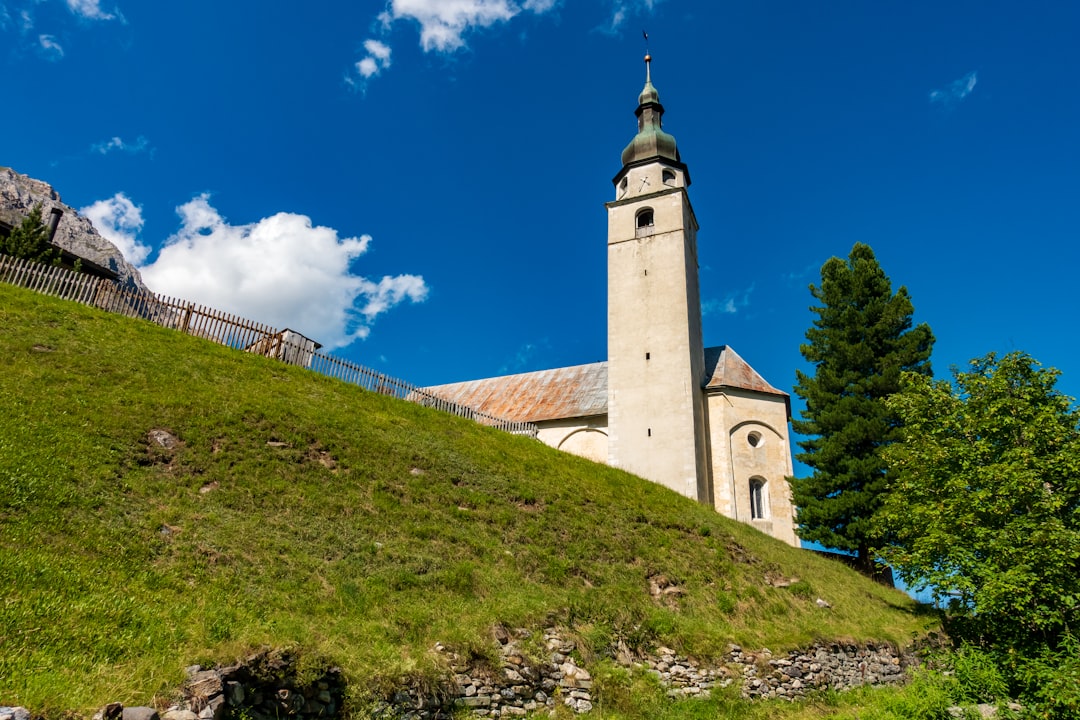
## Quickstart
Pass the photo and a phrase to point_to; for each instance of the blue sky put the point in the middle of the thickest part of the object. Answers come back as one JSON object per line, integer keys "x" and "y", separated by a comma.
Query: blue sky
{"x": 421, "y": 182}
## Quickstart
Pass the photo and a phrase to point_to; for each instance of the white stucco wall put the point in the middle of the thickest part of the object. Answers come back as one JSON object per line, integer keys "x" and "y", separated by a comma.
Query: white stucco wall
{"x": 734, "y": 416}
{"x": 655, "y": 360}
{"x": 585, "y": 437}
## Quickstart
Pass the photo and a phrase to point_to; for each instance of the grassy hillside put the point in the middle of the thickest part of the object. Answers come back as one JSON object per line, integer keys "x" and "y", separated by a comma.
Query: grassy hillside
{"x": 298, "y": 509}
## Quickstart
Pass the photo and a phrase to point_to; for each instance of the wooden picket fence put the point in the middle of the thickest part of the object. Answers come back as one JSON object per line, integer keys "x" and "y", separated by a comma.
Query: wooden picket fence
{"x": 230, "y": 330}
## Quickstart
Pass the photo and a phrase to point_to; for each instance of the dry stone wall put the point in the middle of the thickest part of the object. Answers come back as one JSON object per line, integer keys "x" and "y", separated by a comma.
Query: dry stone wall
{"x": 530, "y": 677}
{"x": 518, "y": 687}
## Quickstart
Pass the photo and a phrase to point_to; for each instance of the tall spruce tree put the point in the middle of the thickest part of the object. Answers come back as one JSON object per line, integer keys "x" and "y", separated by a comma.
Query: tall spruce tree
{"x": 860, "y": 343}
{"x": 30, "y": 240}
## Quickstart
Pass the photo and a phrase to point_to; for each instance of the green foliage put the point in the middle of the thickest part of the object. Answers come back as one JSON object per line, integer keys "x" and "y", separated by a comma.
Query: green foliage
{"x": 984, "y": 502}
{"x": 927, "y": 697}
{"x": 1049, "y": 680}
{"x": 979, "y": 674}
{"x": 860, "y": 343}
{"x": 30, "y": 240}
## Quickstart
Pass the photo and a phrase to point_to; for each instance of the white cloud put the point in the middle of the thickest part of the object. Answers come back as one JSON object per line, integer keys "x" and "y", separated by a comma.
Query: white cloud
{"x": 444, "y": 22}
{"x": 119, "y": 221}
{"x": 377, "y": 59}
{"x": 89, "y": 9}
{"x": 730, "y": 305}
{"x": 443, "y": 26}
{"x": 116, "y": 143}
{"x": 280, "y": 270}
{"x": 50, "y": 48}
{"x": 956, "y": 91}
{"x": 26, "y": 20}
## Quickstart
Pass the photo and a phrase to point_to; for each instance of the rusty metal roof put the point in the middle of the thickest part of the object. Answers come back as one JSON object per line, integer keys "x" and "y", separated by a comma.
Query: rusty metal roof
{"x": 725, "y": 368}
{"x": 581, "y": 390}
{"x": 577, "y": 391}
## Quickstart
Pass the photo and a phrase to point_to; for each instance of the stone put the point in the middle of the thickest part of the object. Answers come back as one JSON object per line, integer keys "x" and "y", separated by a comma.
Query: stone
{"x": 140, "y": 713}
{"x": 234, "y": 693}
{"x": 14, "y": 713}
{"x": 179, "y": 714}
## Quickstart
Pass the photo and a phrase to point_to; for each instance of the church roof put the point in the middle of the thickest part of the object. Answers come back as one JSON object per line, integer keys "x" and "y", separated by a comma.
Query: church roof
{"x": 725, "y": 368}
{"x": 577, "y": 391}
{"x": 581, "y": 390}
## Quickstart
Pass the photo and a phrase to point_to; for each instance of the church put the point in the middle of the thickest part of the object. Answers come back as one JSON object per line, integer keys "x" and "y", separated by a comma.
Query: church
{"x": 700, "y": 421}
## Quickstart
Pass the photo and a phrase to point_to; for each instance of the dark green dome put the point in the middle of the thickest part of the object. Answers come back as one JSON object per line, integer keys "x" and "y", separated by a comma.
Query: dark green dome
{"x": 651, "y": 141}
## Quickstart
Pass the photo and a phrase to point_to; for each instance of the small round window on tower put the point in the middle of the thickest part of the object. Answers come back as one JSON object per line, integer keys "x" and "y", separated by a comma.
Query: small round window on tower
{"x": 754, "y": 439}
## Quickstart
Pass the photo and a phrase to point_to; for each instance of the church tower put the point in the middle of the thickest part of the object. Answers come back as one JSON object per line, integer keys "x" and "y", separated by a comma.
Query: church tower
{"x": 656, "y": 365}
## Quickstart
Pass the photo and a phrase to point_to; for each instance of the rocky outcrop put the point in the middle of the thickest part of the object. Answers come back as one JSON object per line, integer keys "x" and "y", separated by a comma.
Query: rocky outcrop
{"x": 19, "y": 194}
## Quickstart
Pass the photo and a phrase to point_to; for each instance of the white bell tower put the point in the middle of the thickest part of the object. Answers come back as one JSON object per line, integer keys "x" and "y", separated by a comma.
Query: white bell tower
{"x": 656, "y": 363}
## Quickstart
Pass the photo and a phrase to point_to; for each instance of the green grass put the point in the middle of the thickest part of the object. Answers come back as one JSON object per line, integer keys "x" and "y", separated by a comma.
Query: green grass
{"x": 303, "y": 511}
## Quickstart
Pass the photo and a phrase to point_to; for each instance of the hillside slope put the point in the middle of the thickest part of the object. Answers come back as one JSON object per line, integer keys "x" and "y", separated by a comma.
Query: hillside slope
{"x": 298, "y": 509}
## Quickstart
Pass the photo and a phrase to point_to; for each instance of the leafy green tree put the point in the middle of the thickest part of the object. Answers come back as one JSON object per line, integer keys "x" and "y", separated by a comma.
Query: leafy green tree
{"x": 30, "y": 240}
{"x": 984, "y": 500}
{"x": 860, "y": 343}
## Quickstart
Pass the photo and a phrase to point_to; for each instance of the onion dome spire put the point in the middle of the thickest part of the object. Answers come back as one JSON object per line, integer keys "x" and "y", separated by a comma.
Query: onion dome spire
{"x": 651, "y": 142}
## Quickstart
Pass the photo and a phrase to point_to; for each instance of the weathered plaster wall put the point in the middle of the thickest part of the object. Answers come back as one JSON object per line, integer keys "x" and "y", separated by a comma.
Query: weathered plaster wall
{"x": 655, "y": 361}
{"x": 735, "y": 418}
{"x": 585, "y": 437}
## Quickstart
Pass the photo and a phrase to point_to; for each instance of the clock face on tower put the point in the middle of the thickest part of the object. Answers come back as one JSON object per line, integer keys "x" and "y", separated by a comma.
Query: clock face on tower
{"x": 644, "y": 184}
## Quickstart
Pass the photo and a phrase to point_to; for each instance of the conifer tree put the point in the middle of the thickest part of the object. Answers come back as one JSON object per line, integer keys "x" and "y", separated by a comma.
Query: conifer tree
{"x": 30, "y": 240}
{"x": 860, "y": 343}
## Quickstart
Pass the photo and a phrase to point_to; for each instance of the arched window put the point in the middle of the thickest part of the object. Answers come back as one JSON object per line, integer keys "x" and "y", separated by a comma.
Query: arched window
{"x": 757, "y": 498}
{"x": 645, "y": 218}
{"x": 668, "y": 177}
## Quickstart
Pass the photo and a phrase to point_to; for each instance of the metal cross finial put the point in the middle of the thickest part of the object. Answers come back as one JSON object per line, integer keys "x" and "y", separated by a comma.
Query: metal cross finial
{"x": 648, "y": 57}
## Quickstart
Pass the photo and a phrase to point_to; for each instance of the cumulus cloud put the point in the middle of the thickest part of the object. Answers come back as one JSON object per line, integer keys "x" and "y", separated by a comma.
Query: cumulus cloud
{"x": 376, "y": 60}
{"x": 955, "y": 92}
{"x": 281, "y": 270}
{"x": 119, "y": 221}
{"x": 50, "y": 47}
{"x": 443, "y": 26}
{"x": 90, "y": 9}
{"x": 115, "y": 143}
{"x": 731, "y": 304}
